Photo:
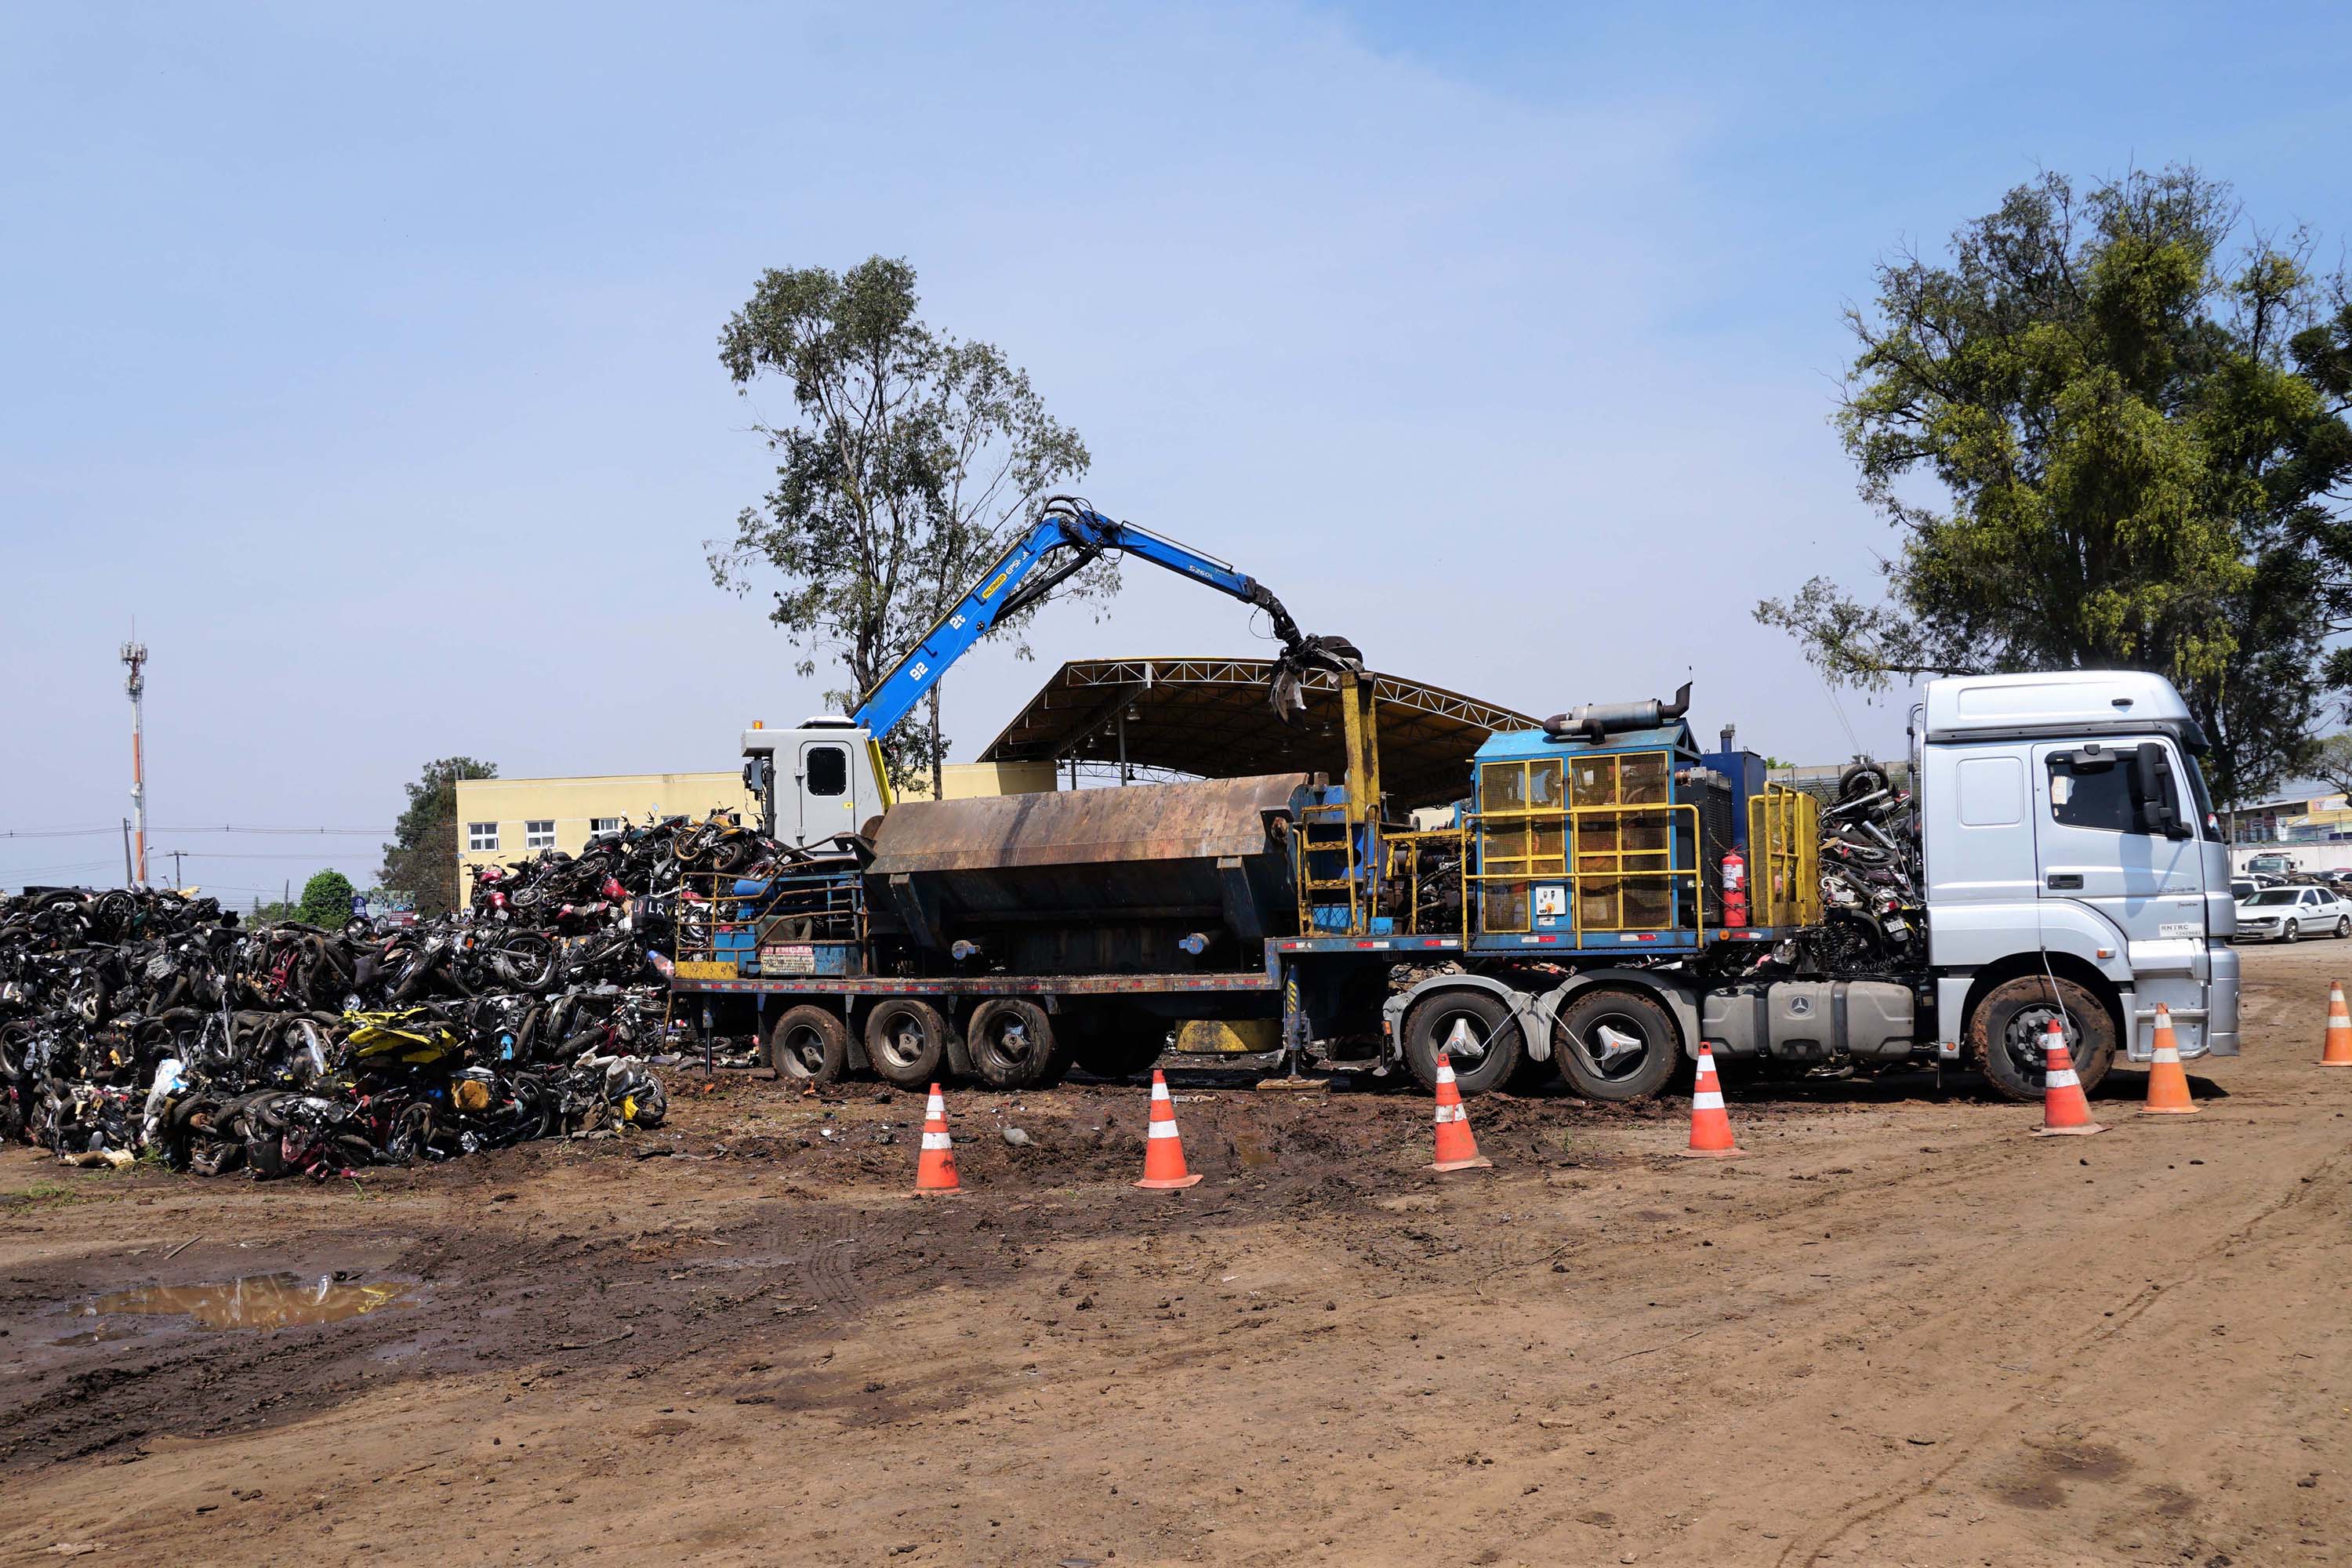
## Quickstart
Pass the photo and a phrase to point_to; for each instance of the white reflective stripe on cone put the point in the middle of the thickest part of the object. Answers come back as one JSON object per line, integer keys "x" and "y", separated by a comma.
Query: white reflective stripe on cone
{"x": 1444, "y": 1071}
{"x": 1451, "y": 1113}
{"x": 1706, "y": 1100}
{"x": 936, "y": 1140}
{"x": 937, "y": 1109}
{"x": 1163, "y": 1130}
{"x": 1159, "y": 1095}
{"x": 2064, "y": 1078}
{"x": 2168, "y": 1053}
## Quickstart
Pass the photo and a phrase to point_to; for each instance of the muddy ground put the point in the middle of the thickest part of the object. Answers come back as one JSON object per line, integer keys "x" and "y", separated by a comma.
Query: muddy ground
{"x": 1901, "y": 1331}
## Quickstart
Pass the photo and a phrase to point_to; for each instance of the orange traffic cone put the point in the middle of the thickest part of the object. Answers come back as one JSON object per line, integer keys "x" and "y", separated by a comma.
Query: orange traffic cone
{"x": 1457, "y": 1149}
{"x": 2337, "y": 1052}
{"x": 935, "y": 1171}
{"x": 2064, "y": 1108}
{"x": 1163, "y": 1151}
{"x": 2167, "y": 1085}
{"x": 1710, "y": 1136}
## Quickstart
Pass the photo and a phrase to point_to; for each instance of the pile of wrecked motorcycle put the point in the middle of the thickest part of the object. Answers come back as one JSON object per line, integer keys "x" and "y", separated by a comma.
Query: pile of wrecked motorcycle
{"x": 152, "y": 1023}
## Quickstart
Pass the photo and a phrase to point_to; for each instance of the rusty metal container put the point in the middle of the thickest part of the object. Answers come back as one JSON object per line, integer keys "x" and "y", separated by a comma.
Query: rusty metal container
{"x": 1149, "y": 877}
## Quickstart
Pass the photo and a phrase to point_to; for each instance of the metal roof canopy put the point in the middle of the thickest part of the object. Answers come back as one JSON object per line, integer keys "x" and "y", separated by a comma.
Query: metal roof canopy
{"x": 1210, "y": 718}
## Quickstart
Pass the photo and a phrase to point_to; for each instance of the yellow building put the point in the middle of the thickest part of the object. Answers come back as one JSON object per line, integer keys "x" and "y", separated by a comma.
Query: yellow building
{"x": 501, "y": 820}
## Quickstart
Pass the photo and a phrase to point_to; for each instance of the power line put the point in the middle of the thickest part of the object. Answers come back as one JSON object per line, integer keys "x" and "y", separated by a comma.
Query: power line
{"x": 331, "y": 832}
{"x": 116, "y": 827}
{"x": 313, "y": 856}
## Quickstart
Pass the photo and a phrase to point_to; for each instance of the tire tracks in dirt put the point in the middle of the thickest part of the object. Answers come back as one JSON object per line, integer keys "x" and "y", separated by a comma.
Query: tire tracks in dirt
{"x": 1885, "y": 1500}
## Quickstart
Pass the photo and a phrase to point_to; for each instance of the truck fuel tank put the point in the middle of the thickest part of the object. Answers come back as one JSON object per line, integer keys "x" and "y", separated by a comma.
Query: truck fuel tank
{"x": 1811, "y": 1020}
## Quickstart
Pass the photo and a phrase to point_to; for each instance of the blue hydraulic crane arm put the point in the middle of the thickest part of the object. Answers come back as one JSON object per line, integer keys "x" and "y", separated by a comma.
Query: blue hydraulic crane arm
{"x": 1070, "y": 524}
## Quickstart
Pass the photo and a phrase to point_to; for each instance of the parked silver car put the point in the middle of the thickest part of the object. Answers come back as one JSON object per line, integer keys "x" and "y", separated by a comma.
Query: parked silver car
{"x": 2289, "y": 915}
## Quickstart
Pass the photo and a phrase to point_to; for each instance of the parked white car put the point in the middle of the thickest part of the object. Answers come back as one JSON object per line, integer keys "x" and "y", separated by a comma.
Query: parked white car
{"x": 2289, "y": 915}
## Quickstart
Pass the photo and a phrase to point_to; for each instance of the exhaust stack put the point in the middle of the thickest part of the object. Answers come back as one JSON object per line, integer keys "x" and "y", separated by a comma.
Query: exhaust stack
{"x": 1596, "y": 721}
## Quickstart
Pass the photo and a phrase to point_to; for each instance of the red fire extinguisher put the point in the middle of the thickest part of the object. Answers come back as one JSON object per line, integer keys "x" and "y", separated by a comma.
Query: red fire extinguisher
{"x": 1734, "y": 889}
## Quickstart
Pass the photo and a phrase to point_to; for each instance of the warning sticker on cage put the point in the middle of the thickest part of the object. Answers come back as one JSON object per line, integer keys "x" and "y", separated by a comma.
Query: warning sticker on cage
{"x": 788, "y": 958}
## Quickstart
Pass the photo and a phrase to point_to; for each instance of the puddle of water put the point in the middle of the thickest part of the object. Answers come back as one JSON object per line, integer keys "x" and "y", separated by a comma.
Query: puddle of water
{"x": 260, "y": 1301}
{"x": 1252, "y": 1150}
{"x": 98, "y": 1335}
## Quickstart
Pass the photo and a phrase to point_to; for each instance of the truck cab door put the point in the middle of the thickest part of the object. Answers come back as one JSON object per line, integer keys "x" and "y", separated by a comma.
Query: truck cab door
{"x": 2094, "y": 848}
{"x": 826, "y": 783}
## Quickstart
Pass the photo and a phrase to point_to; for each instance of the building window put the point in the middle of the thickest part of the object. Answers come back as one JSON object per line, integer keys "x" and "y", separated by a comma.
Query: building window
{"x": 480, "y": 835}
{"x": 603, "y": 825}
{"x": 539, "y": 835}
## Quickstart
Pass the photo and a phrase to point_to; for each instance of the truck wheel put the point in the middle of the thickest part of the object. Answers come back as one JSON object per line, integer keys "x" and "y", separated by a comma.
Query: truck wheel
{"x": 1616, "y": 1045}
{"x": 808, "y": 1045}
{"x": 1012, "y": 1043}
{"x": 906, "y": 1041}
{"x": 1474, "y": 1028}
{"x": 2010, "y": 1021}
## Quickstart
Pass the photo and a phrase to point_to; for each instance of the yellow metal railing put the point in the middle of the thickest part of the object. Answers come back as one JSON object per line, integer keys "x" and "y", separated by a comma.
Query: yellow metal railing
{"x": 1582, "y": 847}
{"x": 1326, "y": 831}
{"x": 1578, "y": 877}
{"x": 1784, "y": 849}
{"x": 1400, "y": 868}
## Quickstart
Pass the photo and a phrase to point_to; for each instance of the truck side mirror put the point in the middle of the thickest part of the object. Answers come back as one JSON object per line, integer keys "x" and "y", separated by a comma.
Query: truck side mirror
{"x": 2151, "y": 776}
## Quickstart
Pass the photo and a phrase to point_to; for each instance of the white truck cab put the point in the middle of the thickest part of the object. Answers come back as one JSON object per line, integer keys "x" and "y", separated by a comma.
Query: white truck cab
{"x": 2069, "y": 842}
{"x": 812, "y": 781}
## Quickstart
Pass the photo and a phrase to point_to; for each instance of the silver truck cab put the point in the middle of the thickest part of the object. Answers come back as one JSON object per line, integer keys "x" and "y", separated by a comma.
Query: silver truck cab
{"x": 2067, "y": 829}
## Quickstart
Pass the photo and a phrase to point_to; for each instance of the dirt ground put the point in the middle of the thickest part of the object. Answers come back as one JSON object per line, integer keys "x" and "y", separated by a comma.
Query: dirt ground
{"x": 1902, "y": 1331}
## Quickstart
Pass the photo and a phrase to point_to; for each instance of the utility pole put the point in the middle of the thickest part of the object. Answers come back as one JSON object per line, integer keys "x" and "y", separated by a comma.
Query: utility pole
{"x": 134, "y": 656}
{"x": 177, "y": 879}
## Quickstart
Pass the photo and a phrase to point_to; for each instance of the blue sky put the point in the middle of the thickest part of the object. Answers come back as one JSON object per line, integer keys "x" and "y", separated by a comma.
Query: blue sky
{"x": 368, "y": 357}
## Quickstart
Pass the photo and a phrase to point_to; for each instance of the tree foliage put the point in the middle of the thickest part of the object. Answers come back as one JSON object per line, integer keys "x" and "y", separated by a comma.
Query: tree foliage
{"x": 327, "y": 899}
{"x": 2331, "y": 763}
{"x": 908, "y": 461}
{"x": 2107, "y": 440}
{"x": 422, "y": 859}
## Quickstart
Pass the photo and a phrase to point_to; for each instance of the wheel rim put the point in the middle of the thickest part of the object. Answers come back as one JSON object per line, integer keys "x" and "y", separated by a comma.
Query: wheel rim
{"x": 1614, "y": 1044}
{"x": 2028, "y": 1030}
{"x": 1009, "y": 1038}
{"x": 804, "y": 1050}
{"x": 1463, "y": 1038}
{"x": 901, "y": 1040}
{"x": 2293, "y": 930}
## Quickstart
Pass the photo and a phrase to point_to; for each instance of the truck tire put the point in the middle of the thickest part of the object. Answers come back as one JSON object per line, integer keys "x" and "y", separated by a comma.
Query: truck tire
{"x": 906, "y": 1041}
{"x": 1012, "y": 1043}
{"x": 1859, "y": 779}
{"x": 2010, "y": 1019}
{"x": 1476, "y": 1031}
{"x": 809, "y": 1045}
{"x": 1616, "y": 1044}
